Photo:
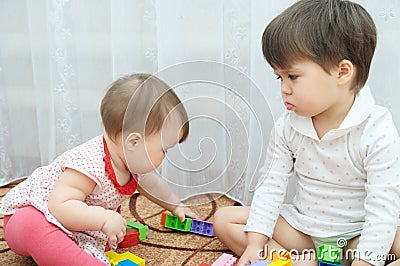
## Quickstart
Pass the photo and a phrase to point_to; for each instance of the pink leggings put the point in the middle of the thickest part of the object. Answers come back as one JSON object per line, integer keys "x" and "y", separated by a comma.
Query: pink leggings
{"x": 28, "y": 233}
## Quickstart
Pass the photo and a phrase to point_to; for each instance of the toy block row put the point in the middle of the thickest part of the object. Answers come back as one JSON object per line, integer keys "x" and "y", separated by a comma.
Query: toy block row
{"x": 135, "y": 232}
{"x": 124, "y": 259}
{"x": 188, "y": 225}
{"x": 329, "y": 255}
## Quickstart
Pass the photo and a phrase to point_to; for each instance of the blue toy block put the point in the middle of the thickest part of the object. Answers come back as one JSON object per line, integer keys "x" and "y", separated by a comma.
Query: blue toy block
{"x": 127, "y": 263}
{"x": 324, "y": 263}
{"x": 261, "y": 263}
{"x": 202, "y": 228}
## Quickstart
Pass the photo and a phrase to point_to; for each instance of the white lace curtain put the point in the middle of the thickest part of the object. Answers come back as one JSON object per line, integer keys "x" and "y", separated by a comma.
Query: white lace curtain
{"x": 58, "y": 56}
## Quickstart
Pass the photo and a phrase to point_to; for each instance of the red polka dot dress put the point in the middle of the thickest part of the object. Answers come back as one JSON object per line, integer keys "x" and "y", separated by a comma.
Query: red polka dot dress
{"x": 91, "y": 159}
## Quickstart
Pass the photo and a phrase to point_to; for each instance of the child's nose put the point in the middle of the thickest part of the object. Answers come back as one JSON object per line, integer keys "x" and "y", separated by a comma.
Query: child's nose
{"x": 286, "y": 89}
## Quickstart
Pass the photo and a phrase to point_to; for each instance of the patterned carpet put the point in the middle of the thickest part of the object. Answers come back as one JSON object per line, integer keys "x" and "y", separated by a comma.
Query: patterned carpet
{"x": 163, "y": 247}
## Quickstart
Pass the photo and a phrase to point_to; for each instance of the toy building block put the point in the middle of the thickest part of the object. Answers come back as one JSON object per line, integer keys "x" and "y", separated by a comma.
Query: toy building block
{"x": 323, "y": 263}
{"x": 286, "y": 262}
{"x": 202, "y": 228}
{"x": 113, "y": 257}
{"x": 279, "y": 256}
{"x": 127, "y": 263}
{"x": 225, "y": 260}
{"x": 329, "y": 253}
{"x": 142, "y": 229}
{"x": 204, "y": 264}
{"x": 139, "y": 261}
{"x": 261, "y": 263}
{"x": 163, "y": 218}
{"x": 131, "y": 238}
{"x": 116, "y": 258}
{"x": 173, "y": 222}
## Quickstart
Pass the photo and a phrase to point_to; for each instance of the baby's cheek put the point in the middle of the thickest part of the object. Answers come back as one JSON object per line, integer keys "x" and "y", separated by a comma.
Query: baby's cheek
{"x": 156, "y": 163}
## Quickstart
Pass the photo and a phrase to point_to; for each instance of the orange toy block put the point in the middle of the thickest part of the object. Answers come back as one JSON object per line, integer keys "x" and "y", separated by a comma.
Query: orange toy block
{"x": 163, "y": 219}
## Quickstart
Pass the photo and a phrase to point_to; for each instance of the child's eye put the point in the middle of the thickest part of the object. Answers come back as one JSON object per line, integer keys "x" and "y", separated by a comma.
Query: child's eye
{"x": 292, "y": 77}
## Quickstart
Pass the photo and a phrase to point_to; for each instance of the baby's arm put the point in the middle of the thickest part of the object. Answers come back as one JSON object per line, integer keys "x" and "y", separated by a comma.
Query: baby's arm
{"x": 159, "y": 192}
{"x": 66, "y": 204}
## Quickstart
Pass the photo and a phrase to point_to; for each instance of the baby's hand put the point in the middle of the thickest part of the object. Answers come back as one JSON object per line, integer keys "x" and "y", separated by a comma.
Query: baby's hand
{"x": 114, "y": 227}
{"x": 182, "y": 211}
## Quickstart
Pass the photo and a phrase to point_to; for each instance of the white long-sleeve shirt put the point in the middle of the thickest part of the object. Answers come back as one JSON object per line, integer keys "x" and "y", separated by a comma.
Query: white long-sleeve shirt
{"x": 345, "y": 182}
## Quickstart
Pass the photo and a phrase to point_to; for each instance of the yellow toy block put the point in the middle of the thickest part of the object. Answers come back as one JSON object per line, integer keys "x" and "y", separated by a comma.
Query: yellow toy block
{"x": 276, "y": 256}
{"x": 116, "y": 258}
{"x": 134, "y": 258}
{"x": 287, "y": 262}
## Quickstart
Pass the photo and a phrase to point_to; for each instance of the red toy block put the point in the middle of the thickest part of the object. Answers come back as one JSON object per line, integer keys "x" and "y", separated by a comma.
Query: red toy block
{"x": 163, "y": 219}
{"x": 130, "y": 239}
{"x": 204, "y": 264}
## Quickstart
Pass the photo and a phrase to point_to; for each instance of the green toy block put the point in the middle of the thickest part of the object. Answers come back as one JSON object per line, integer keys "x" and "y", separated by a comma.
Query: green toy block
{"x": 173, "y": 222}
{"x": 142, "y": 229}
{"x": 329, "y": 253}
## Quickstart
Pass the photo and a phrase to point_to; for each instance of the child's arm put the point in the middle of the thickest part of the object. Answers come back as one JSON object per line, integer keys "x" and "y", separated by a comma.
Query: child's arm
{"x": 159, "y": 192}
{"x": 66, "y": 204}
{"x": 381, "y": 146}
{"x": 255, "y": 242}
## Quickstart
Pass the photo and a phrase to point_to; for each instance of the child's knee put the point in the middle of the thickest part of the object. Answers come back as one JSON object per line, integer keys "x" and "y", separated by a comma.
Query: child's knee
{"x": 217, "y": 218}
{"x": 27, "y": 222}
{"x": 220, "y": 219}
{"x": 222, "y": 215}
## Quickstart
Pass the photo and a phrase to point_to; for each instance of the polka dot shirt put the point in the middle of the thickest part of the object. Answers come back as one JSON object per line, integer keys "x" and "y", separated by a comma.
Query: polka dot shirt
{"x": 347, "y": 181}
{"x": 35, "y": 190}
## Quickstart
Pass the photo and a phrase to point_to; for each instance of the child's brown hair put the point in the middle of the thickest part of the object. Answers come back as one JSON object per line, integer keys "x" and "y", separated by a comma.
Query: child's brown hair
{"x": 141, "y": 103}
{"x": 324, "y": 31}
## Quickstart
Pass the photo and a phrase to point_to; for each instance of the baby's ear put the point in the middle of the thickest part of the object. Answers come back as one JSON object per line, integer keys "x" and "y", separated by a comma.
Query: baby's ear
{"x": 346, "y": 72}
{"x": 132, "y": 140}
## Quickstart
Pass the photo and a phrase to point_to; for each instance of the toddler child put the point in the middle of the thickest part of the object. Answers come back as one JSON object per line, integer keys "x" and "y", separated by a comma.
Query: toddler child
{"x": 66, "y": 213}
{"x": 342, "y": 149}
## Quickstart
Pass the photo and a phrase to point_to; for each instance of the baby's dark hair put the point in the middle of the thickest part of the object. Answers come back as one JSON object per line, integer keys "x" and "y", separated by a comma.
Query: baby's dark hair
{"x": 324, "y": 31}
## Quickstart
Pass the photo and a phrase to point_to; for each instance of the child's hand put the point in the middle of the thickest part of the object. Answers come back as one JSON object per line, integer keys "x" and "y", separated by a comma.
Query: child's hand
{"x": 249, "y": 255}
{"x": 114, "y": 227}
{"x": 182, "y": 211}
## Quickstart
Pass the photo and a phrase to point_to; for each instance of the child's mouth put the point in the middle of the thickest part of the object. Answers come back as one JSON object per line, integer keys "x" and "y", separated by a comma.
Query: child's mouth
{"x": 289, "y": 106}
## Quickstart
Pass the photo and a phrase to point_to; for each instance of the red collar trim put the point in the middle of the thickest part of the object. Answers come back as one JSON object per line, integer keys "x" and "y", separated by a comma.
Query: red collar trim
{"x": 127, "y": 189}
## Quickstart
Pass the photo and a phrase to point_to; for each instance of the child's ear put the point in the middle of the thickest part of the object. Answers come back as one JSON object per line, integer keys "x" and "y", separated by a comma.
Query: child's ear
{"x": 346, "y": 72}
{"x": 132, "y": 140}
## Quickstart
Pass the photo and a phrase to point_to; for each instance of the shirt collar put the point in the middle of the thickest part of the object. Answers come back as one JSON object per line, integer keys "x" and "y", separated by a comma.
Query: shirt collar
{"x": 357, "y": 114}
